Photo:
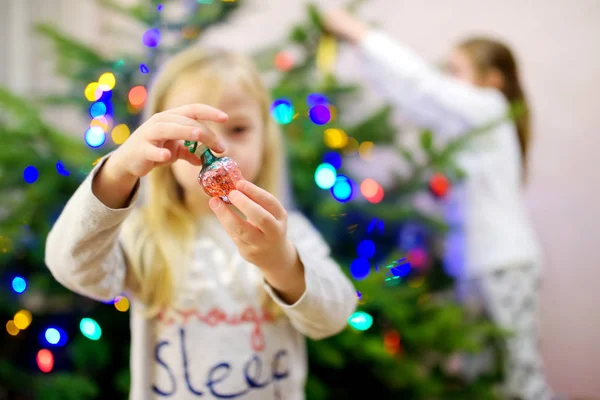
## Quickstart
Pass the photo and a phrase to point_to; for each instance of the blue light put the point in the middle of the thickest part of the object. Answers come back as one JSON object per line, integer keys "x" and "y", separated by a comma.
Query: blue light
{"x": 144, "y": 69}
{"x": 401, "y": 270}
{"x": 30, "y": 174}
{"x": 98, "y": 110}
{"x": 333, "y": 158}
{"x": 282, "y": 111}
{"x": 360, "y": 268}
{"x": 366, "y": 248}
{"x": 314, "y": 99}
{"x": 325, "y": 176}
{"x": 95, "y": 137}
{"x": 320, "y": 114}
{"x": 19, "y": 284}
{"x": 342, "y": 190}
{"x": 53, "y": 336}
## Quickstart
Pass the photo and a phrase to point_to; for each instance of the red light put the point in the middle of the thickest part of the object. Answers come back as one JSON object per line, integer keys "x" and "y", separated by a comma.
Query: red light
{"x": 45, "y": 360}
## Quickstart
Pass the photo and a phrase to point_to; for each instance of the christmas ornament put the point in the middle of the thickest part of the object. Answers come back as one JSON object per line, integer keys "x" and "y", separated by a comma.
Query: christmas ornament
{"x": 439, "y": 184}
{"x": 218, "y": 175}
{"x": 326, "y": 54}
{"x": 284, "y": 61}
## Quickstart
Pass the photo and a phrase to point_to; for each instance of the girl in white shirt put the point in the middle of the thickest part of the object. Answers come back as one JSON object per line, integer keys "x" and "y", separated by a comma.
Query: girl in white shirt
{"x": 502, "y": 260}
{"x": 221, "y": 296}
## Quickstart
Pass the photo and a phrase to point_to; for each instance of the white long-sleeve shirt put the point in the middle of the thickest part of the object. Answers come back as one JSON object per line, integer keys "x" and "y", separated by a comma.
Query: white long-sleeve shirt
{"x": 497, "y": 230}
{"x": 215, "y": 342}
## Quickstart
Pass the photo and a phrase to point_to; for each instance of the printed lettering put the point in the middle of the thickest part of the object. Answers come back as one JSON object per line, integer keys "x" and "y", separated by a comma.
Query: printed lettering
{"x": 171, "y": 376}
{"x": 253, "y": 380}
{"x": 211, "y": 382}
{"x": 186, "y": 373}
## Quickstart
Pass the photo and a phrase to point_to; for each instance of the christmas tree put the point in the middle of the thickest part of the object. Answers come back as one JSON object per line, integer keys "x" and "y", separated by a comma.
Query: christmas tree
{"x": 407, "y": 328}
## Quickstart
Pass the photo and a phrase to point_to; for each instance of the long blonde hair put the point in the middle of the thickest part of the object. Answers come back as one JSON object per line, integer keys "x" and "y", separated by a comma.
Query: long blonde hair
{"x": 161, "y": 234}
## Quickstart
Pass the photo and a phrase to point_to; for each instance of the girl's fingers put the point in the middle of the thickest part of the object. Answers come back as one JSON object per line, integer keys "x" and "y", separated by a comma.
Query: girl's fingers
{"x": 174, "y": 131}
{"x": 255, "y": 214}
{"x": 156, "y": 154}
{"x": 200, "y": 112}
{"x": 263, "y": 198}
{"x": 238, "y": 229}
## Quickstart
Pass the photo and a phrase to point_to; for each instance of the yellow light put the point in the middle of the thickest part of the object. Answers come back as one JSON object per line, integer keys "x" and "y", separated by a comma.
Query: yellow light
{"x": 108, "y": 80}
{"x": 120, "y": 134}
{"x": 332, "y": 112}
{"x": 97, "y": 161}
{"x": 11, "y": 328}
{"x": 364, "y": 150}
{"x": 91, "y": 91}
{"x": 22, "y": 319}
{"x": 122, "y": 303}
{"x": 335, "y": 138}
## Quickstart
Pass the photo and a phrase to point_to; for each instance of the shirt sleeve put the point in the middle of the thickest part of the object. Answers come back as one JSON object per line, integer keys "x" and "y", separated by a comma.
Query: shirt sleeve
{"x": 423, "y": 94}
{"x": 330, "y": 298}
{"x": 83, "y": 250}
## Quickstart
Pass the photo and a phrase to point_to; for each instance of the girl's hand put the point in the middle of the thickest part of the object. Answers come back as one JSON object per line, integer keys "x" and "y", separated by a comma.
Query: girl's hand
{"x": 344, "y": 26}
{"x": 159, "y": 140}
{"x": 261, "y": 238}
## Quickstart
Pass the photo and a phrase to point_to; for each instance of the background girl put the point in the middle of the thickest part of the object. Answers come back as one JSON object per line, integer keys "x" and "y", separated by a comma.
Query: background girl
{"x": 221, "y": 299}
{"x": 502, "y": 263}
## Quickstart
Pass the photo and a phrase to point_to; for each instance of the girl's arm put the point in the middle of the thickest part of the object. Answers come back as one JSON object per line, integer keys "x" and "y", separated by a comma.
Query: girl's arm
{"x": 424, "y": 95}
{"x": 83, "y": 251}
{"x": 329, "y": 297}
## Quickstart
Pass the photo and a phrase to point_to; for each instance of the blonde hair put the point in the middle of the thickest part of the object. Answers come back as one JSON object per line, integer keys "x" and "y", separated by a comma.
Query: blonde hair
{"x": 161, "y": 233}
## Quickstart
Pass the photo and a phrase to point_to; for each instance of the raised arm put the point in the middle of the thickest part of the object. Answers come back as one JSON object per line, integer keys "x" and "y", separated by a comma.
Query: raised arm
{"x": 423, "y": 94}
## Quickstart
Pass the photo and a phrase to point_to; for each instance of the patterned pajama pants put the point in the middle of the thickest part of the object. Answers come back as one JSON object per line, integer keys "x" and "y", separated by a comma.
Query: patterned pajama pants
{"x": 510, "y": 298}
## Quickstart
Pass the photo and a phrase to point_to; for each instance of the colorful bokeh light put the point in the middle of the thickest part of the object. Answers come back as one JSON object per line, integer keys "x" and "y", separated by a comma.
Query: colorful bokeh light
{"x": 19, "y": 284}
{"x": 137, "y": 96}
{"x": 90, "y": 329}
{"x": 22, "y": 319}
{"x": 30, "y": 174}
{"x": 320, "y": 114}
{"x": 342, "y": 189}
{"x": 284, "y": 61}
{"x": 282, "y": 111}
{"x": 54, "y": 336}
{"x": 333, "y": 158}
{"x": 120, "y": 134}
{"x": 45, "y": 360}
{"x": 360, "y": 268}
{"x": 107, "y": 81}
{"x": 98, "y": 110}
{"x": 366, "y": 248}
{"x": 325, "y": 176}
{"x": 144, "y": 69}
{"x": 315, "y": 99}
{"x": 335, "y": 138}
{"x": 95, "y": 137}
{"x": 360, "y": 321}
{"x": 11, "y": 328}
{"x": 364, "y": 150}
{"x": 92, "y": 91}
{"x": 122, "y": 303}
{"x": 151, "y": 37}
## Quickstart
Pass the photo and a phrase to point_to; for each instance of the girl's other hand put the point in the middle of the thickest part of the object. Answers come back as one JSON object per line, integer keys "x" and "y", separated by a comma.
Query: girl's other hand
{"x": 344, "y": 26}
{"x": 159, "y": 141}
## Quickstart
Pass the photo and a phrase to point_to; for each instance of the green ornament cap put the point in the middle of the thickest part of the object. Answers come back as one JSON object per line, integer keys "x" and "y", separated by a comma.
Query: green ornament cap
{"x": 196, "y": 148}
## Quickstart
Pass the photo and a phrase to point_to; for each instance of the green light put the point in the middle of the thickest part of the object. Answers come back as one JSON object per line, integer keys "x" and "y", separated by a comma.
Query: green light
{"x": 360, "y": 321}
{"x": 90, "y": 329}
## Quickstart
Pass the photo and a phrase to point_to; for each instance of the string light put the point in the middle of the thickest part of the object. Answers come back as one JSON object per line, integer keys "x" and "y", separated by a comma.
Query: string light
{"x": 11, "y": 328}
{"x": 98, "y": 110}
{"x": 92, "y": 91}
{"x": 137, "y": 96}
{"x": 151, "y": 37}
{"x": 364, "y": 150}
{"x": 319, "y": 114}
{"x": 122, "y": 303}
{"x": 54, "y": 336}
{"x": 19, "y": 284}
{"x": 325, "y": 176}
{"x": 22, "y": 319}
{"x": 333, "y": 158}
{"x": 366, "y": 248}
{"x": 90, "y": 329}
{"x": 342, "y": 189}
{"x": 45, "y": 360}
{"x": 335, "y": 138}
{"x": 107, "y": 81}
{"x": 30, "y": 174}
{"x": 360, "y": 320}
{"x": 360, "y": 268}
{"x": 95, "y": 137}
{"x": 282, "y": 111}
{"x": 120, "y": 134}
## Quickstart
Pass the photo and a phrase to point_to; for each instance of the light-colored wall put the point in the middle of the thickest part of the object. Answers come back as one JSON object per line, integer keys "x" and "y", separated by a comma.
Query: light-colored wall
{"x": 558, "y": 45}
